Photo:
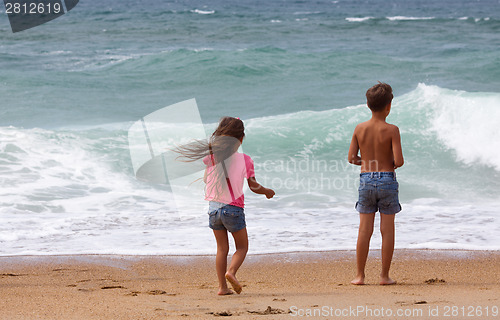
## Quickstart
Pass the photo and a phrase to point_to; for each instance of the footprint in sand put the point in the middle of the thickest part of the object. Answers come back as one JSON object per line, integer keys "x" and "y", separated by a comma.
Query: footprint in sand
{"x": 112, "y": 287}
{"x": 85, "y": 280}
{"x": 221, "y": 314}
{"x": 269, "y": 310}
{"x": 434, "y": 280}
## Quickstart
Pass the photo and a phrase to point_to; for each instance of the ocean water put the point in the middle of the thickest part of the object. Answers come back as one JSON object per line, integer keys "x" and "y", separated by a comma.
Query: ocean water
{"x": 296, "y": 73}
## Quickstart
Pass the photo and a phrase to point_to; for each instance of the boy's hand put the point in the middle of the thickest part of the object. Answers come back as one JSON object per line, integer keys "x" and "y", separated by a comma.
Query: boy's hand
{"x": 269, "y": 193}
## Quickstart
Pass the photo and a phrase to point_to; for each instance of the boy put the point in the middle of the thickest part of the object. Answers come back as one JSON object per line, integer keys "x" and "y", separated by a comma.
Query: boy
{"x": 381, "y": 153}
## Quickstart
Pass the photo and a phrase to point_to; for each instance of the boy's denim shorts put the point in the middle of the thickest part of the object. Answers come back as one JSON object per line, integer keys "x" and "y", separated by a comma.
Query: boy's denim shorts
{"x": 225, "y": 217}
{"x": 378, "y": 191}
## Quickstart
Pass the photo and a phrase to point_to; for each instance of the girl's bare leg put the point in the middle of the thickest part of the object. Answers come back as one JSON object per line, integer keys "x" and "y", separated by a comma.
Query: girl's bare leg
{"x": 241, "y": 243}
{"x": 221, "y": 260}
{"x": 388, "y": 235}
{"x": 366, "y": 221}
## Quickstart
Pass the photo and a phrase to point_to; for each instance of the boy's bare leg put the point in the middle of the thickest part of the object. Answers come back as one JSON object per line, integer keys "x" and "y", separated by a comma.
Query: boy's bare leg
{"x": 241, "y": 243}
{"x": 365, "y": 232}
{"x": 388, "y": 234}
{"x": 221, "y": 260}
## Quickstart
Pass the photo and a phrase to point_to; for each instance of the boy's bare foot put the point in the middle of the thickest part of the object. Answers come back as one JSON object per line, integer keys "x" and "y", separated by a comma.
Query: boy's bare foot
{"x": 386, "y": 281}
{"x": 234, "y": 282}
{"x": 225, "y": 292}
{"x": 359, "y": 281}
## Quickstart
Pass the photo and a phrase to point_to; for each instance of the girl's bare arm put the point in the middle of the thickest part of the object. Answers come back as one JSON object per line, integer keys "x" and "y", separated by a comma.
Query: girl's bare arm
{"x": 259, "y": 189}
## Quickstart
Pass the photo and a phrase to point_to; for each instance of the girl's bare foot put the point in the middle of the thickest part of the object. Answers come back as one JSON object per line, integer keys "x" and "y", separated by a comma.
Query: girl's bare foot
{"x": 224, "y": 292}
{"x": 359, "y": 281}
{"x": 385, "y": 281}
{"x": 234, "y": 282}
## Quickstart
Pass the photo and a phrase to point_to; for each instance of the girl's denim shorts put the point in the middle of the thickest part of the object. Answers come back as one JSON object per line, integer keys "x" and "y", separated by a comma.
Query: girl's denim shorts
{"x": 225, "y": 217}
{"x": 378, "y": 191}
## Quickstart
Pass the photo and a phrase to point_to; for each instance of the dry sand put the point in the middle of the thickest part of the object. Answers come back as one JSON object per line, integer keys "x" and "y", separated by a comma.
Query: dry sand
{"x": 431, "y": 285}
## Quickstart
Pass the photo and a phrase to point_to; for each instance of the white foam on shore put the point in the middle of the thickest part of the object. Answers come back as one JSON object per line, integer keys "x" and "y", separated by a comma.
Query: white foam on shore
{"x": 151, "y": 233}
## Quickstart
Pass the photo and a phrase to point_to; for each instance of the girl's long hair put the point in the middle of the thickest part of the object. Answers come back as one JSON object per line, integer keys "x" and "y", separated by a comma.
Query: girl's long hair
{"x": 223, "y": 143}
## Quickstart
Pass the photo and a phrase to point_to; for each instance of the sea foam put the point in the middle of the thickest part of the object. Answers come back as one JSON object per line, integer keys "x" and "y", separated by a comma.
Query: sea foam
{"x": 355, "y": 19}
{"x": 467, "y": 123}
{"x": 72, "y": 191}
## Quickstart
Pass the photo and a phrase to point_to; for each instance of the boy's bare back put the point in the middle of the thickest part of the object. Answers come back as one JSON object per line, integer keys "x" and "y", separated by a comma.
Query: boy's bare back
{"x": 380, "y": 145}
{"x": 378, "y": 141}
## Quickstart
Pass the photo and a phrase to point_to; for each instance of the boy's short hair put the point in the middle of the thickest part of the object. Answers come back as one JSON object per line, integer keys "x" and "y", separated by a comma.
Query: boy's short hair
{"x": 379, "y": 96}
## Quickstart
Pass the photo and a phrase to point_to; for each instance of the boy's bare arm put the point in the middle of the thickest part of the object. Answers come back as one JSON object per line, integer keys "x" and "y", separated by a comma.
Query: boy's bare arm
{"x": 353, "y": 156}
{"x": 397, "y": 150}
{"x": 259, "y": 189}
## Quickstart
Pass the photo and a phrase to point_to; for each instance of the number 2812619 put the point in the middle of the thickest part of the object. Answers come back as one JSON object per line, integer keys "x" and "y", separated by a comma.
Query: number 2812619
{"x": 32, "y": 8}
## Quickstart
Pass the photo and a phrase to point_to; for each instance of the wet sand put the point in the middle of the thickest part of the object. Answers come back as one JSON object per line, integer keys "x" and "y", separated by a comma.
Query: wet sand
{"x": 431, "y": 284}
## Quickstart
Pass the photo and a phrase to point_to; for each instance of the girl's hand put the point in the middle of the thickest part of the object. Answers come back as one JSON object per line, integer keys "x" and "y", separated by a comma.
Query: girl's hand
{"x": 257, "y": 188}
{"x": 269, "y": 193}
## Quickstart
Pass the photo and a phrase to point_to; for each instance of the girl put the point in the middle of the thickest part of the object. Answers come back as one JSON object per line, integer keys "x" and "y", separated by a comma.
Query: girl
{"x": 224, "y": 176}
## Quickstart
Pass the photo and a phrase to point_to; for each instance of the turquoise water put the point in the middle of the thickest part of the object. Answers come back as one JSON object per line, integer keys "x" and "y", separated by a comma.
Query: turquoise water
{"x": 296, "y": 73}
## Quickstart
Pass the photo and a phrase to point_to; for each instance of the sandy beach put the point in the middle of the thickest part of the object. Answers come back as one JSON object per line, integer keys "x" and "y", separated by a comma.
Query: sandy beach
{"x": 431, "y": 284}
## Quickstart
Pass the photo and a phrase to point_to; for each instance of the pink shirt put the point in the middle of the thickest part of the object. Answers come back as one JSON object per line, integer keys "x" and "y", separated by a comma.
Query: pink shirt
{"x": 239, "y": 167}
